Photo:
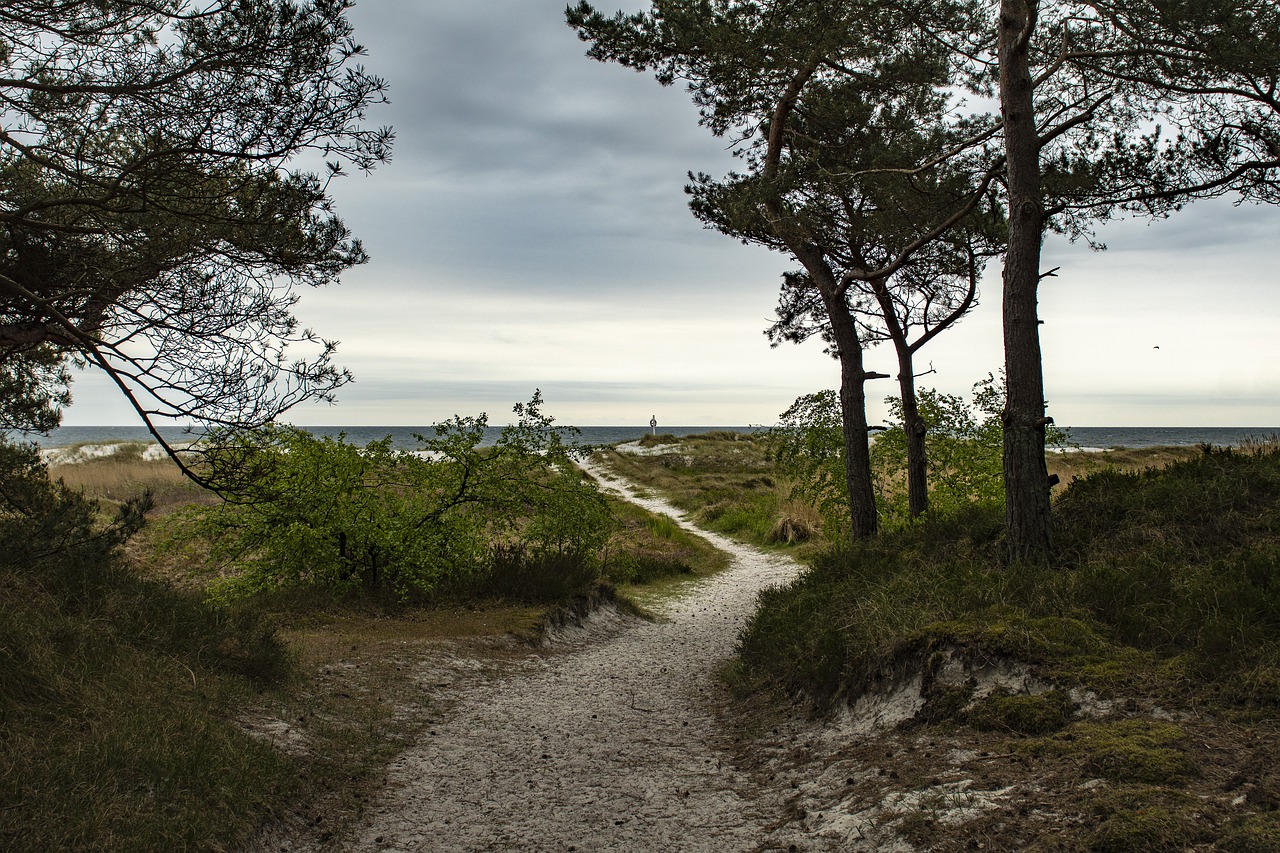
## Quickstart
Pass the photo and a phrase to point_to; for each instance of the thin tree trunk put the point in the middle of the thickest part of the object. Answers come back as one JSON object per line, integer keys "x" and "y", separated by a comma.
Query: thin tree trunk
{"x": 863, "y": 520}
{"x": 914, "y": 425}
{"x": 853, "y": 410}
{"x": 1026, "y": 478}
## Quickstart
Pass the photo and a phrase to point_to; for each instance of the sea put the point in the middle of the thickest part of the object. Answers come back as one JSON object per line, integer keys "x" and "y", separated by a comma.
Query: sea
{"x": 1083, "y": 438}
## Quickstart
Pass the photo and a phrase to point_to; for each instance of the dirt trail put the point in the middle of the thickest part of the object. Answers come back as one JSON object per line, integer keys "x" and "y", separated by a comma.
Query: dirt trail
{"x": 610, "y": 746}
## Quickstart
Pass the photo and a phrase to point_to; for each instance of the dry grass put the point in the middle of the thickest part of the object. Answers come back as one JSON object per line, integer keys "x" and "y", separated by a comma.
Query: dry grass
{"x": 1073, "y": 465}
{"x": 127, "y": 473}
{"x": 797, "y": 521}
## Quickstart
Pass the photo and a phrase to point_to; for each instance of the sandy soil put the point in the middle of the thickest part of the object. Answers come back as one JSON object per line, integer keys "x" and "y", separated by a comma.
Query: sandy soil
{"x": 609, "y": 745}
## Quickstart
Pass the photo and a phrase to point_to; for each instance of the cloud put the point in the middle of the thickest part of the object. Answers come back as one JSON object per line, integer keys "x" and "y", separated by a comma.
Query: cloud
{"x": 532, "y": 231}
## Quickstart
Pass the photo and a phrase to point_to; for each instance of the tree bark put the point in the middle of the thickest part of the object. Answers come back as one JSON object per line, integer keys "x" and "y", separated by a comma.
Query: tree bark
{"x": 912, "y": 423}
{"x": 863, "y": 519}
{"x": 1026, "y": 478}
{"x": 915, "y": 428}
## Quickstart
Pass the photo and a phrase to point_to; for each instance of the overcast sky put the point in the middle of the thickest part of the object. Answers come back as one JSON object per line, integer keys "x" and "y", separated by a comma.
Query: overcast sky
{"x": 531, "y": 232}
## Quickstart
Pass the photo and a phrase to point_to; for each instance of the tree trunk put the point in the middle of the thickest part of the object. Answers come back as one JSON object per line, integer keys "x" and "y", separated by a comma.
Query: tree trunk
{"x": 914, "y": 425}
{"x": 853, "y": 416}
{"x": 1026, "y": 479}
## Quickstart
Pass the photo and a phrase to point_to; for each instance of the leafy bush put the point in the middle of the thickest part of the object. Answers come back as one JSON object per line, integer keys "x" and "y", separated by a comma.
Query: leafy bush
{"x": 322, "y": 512}
{"x": 808, "y": 446}
{"x": 964, "y": 445}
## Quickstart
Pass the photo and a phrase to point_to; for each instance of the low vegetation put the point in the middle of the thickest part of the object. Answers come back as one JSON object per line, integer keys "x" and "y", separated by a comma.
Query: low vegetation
{"x": 116, "y": 472}
{"x": 118, "y": 693}
{"x": 307, "y": 511}
{"x": 1154, "y": 643}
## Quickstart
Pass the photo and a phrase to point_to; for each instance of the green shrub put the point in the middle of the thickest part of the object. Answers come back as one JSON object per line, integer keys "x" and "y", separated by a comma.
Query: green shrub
{"x": 324, "y": 513}
{"x": 964, "y": 448}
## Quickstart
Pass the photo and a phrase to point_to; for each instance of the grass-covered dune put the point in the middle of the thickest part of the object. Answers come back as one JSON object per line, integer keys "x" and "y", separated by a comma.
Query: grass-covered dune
{"x": 1164, "y": 580}
{"x": 1150, "y": 708}
{"x": 119, "y": 693}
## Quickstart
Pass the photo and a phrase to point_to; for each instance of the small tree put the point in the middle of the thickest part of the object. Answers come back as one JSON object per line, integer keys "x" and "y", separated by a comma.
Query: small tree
{"x": 808, "y": 445}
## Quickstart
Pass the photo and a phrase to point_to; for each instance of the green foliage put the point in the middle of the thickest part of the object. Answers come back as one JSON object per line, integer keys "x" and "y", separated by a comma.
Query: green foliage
{"x": 807, "y": 445}
{"x": 322, "y": 512}
{"x": 964, "y": 445}
{"x": 33, "y": 390}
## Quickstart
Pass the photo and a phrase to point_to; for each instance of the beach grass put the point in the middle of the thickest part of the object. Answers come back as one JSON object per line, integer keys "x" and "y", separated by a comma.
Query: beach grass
{"x": 727, "y": 482}
{"x": 118, "y": 701}
{"x": 118, "y": 471}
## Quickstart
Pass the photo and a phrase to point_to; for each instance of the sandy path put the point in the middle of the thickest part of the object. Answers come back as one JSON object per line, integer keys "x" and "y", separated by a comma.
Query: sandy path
{"x": 607, "y": 747}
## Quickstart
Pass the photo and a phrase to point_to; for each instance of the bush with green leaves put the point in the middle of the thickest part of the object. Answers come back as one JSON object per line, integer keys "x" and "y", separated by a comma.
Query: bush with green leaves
{"x": 964, "y": 444}
{"x": 807, "y": 445}
{"x": 965, "y": 448}
{"x": 317, "y": 511}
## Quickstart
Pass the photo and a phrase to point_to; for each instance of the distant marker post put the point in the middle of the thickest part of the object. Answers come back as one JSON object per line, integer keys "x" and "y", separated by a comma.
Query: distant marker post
{"x": 653, "y": 425}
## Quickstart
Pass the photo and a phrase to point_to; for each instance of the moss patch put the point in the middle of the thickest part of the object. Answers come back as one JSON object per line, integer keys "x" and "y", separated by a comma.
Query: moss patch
{"x": 1144, "y": 819}
{"x": 1133, "y": 750}
{"x": 1035, "y": 714}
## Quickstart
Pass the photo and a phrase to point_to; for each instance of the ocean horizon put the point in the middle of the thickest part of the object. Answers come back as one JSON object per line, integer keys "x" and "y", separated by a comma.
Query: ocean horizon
{"x": 1086, "y": 438}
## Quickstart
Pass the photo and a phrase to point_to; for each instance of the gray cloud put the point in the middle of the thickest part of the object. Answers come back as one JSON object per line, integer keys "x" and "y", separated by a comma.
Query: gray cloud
{"x": 532, "y": 232}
